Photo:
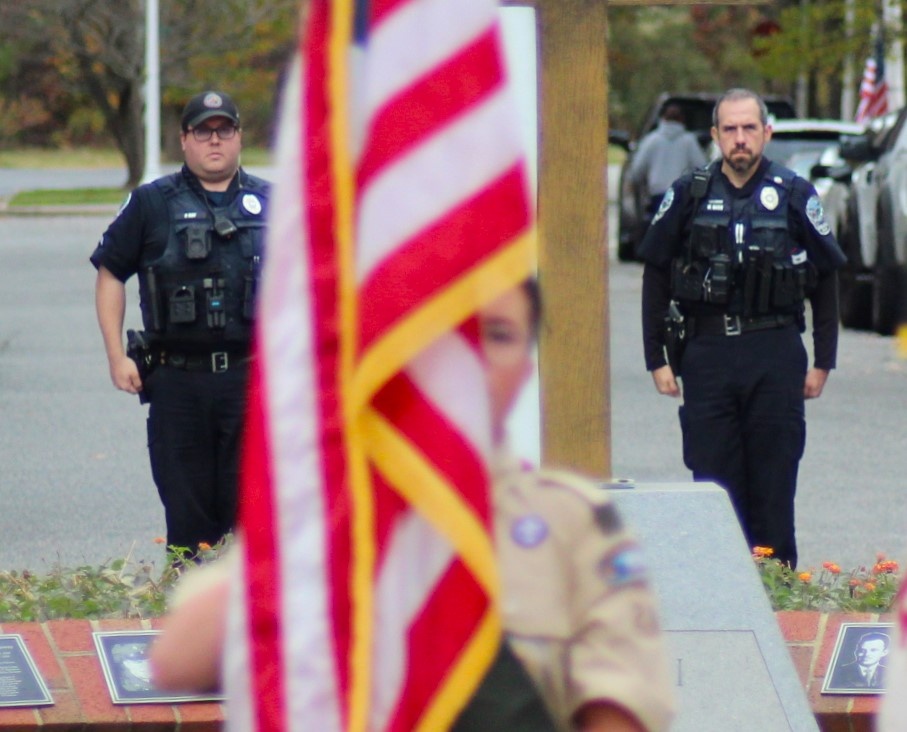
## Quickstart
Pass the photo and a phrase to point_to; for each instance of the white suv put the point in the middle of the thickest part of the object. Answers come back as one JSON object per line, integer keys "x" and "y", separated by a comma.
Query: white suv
{"x": 874, "y": 237}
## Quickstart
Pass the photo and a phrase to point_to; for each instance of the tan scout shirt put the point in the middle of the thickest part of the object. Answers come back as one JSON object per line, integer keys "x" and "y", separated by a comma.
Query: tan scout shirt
{"x": 576, "y": 604}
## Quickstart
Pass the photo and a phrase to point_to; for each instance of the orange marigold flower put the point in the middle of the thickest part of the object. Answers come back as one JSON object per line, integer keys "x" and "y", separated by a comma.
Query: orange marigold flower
{"x": 763, "y": 551}
{"x": 869, "y": 586}
{"x": 889, "y": 566}
{"x": 854, "y": 582}
{"x": 804, "y": 576}
{"x": 832, "y": 567}
{"x": 203, "y": 546}
{"x": 160, "y": 540}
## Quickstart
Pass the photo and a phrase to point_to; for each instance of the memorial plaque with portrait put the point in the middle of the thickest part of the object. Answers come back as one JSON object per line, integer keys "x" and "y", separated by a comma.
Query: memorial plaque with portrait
{"x": 858, "y": 663}
{"x": 124, "y": 659}
{"x": 20, "y": 683}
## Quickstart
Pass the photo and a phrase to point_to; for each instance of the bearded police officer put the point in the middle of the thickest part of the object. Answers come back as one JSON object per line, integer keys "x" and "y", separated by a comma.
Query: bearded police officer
{"x": 195, "y": 240}
{"x": 734, "y": 250}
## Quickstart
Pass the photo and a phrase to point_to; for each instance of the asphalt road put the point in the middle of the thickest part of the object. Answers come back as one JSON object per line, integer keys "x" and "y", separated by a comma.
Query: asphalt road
{"x": 75, "y": 486}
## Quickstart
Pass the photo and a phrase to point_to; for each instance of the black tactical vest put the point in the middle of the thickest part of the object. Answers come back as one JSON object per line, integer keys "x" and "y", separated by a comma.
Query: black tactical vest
{"x": 740, "y": 255}
{"x": 200, "y": 292}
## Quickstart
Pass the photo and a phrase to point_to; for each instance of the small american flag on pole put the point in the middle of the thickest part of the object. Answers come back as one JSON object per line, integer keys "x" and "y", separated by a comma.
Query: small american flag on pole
{"x": 873, "y": 87}
{"x": 367, "y": 598}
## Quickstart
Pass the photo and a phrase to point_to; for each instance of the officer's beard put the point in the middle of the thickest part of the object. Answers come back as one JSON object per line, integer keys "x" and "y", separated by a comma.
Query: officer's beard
{"x": 742, "y": 161}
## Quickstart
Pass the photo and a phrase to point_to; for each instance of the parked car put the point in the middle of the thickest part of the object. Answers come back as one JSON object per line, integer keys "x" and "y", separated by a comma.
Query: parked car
{"x": 697, "y": 109}
{"x": 874, "y": 234}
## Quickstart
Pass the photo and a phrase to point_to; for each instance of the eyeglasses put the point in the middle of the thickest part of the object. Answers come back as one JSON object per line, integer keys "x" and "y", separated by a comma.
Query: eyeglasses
{"x": 203, "y": 134}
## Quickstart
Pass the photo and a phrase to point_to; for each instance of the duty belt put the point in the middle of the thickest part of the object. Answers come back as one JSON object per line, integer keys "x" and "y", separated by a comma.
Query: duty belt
{"x": 733, "y": 325}
{"x": 215, "y": 362}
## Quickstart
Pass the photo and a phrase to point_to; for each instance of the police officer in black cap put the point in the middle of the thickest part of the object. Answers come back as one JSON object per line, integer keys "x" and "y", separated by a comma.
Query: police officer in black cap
{"x": 734, "y": 250}
{"x": 195, "y": 240}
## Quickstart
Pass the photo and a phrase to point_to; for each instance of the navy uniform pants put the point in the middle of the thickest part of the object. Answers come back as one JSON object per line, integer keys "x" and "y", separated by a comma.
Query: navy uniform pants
{"x": 195, "y": 424}
{"x": 744, "y": 427}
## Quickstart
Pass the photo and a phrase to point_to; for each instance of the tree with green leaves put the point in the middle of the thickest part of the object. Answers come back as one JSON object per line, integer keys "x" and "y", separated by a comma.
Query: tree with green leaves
{"x": 91, "y": 53}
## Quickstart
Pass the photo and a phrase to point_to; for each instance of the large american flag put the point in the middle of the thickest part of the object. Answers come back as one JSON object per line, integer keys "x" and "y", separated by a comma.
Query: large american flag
{"x": 368, "y": 594}
{"x": 873, "y": 88}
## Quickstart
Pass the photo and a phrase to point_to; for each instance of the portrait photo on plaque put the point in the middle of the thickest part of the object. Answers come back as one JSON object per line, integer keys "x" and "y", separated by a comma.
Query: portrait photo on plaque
{"x": 127, "y": 670}
{"x": 20, "y": 683}
{"x": 859, "y": 661}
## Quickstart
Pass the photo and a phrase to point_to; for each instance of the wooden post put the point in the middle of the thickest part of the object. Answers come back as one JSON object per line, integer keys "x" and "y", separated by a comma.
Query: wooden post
{"x": 573, "y": 248}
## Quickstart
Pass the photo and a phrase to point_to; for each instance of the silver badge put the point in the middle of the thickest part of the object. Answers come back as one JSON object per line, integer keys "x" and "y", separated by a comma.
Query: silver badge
{"x": 251, "y": 203}
{"x": 768, "y": 196}
{"x": 665, "y": 204}
{"x": 529, "y": 531}
{"x": 816, "y": 216}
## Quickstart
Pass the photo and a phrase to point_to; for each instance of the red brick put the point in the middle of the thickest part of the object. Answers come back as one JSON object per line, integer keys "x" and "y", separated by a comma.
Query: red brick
{"x": 65, "y": 711}
{"x": 827, "y": 703}
{"x": 40, "y": 650}
{"x": 802, "y": 657}
{"x": 133, "y": 624}
{"x": 71, "y": 636}
{"x": 196, "y": 716}
{"x": 89, "y": 684}
{"x": 798, "y": 625}
{"x": 18, "y": 718}
{"x": 147, "y": 714}
{"x": 865, "y": 703}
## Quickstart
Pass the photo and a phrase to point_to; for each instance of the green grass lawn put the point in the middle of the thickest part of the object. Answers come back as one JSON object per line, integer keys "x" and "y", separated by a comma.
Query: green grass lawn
{"x": 42, "y": 159}
{"x": 68, "y": 197}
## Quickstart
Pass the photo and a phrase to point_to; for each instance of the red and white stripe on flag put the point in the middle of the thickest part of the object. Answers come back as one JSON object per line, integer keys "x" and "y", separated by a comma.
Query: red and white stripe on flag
{"x": 368, "y": 596}
{"x": 873, "y": 93}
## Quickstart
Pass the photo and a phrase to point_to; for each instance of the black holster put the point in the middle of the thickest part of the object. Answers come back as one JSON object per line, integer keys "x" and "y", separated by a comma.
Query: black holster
{"x": 139, "y": 349}
{"x": 676, "y": 337}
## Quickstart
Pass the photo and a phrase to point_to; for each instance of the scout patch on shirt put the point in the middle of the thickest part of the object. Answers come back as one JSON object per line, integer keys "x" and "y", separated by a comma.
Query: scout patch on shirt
{"x": 816, "y": 215}
{"x": 665, "y": 204}
{"x": 529, "y": 531}
{"x": 623, "y": 567}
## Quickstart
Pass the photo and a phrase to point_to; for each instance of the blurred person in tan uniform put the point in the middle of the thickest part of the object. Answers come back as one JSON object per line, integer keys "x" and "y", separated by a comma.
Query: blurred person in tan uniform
{"x": 577, "y": 611}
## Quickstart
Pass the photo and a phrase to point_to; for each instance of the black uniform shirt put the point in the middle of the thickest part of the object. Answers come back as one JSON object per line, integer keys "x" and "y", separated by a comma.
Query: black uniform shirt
{"x": 670, "y": 229}
{"x": 143, "y": 223}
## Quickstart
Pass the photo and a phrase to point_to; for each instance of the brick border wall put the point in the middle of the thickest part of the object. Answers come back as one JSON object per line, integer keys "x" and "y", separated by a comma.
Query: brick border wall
{"x": 811, "y": 638}
{"x": 64, "y": 652}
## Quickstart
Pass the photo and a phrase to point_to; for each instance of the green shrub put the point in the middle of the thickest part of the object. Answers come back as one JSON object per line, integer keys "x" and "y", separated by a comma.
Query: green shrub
{"x": 123, "y": 588}
{"x": 828, "y": 589}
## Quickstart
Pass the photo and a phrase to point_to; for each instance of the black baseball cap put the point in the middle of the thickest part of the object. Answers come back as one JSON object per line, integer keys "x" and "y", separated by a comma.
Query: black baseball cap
{"x": 207, "y": 105}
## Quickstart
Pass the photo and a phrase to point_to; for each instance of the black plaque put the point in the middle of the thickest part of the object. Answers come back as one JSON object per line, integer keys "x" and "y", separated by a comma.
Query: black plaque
{"x": 124, "y": 659}
{"x": 859, "y": 662}
{"x": 20, "y": 683}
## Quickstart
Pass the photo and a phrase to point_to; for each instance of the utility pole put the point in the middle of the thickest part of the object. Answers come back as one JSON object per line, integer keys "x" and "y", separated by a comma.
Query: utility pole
{"x": 848, "y": 81}
{"x": 892, "y": 23}
{"x": 152, "y": 93}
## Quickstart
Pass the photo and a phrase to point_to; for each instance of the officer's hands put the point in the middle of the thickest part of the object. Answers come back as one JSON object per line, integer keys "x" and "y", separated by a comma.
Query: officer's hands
{"x": 815, "y": 382}
{"x": 125, "y": 374}
{"x": 665, "y": 382}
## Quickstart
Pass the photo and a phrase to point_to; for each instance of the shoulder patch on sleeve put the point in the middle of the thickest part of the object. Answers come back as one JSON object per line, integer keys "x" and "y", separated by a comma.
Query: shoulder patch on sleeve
{"x": 665, "y": 206}
{"x": 816, "y": 215}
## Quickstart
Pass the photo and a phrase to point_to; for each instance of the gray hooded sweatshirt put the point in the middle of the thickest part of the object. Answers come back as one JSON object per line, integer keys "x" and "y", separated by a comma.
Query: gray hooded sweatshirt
{"x": 665, "y": 154}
